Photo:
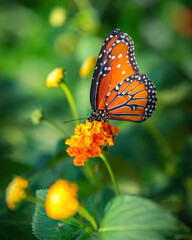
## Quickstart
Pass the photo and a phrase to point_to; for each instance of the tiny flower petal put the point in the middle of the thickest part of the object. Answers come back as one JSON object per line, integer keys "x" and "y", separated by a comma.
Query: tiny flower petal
{"x": 98, "y": 138}
{"x": 55, "y": 77}
{"x": 16, "y": 191}
{"x": 88, "y": 140}
{"x": 94, "y": 151}
{"x": 81, "y": 158}
{"x": 61, "y": 201}
{"x": 87, "y": 66}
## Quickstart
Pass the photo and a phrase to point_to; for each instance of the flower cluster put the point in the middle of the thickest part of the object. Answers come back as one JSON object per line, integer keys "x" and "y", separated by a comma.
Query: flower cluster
{"x": 61, "y": 201}
{"x": 55, "y": 77}
{"x": 88, "y": 140}
{"x": 16, "y": 191}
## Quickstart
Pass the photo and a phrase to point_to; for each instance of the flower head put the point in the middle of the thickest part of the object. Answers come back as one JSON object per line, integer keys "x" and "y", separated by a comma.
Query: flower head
{"x": 87, "y": 66}
{"x": 88, "y": 140}
{"x": 61, "y": 201}
{"x": 55, "y": 77}
{"x": 16, "y": 191}
{"x": 37, "y": 116}
{"x": 57, "y": 17}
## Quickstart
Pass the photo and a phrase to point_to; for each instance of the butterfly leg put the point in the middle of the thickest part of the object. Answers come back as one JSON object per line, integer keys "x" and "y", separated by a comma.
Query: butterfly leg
{"x": 91, "y": 126}
{"x": 110, "y": 128}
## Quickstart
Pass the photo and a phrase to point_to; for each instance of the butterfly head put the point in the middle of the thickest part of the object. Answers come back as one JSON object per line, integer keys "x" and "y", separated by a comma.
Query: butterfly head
{"x": 98, "y": 115}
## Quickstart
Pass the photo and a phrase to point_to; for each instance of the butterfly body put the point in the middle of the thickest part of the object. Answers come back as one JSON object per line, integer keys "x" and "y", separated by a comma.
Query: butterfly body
{"x": 118, "y": 90}
{"x": 98, "y": 115}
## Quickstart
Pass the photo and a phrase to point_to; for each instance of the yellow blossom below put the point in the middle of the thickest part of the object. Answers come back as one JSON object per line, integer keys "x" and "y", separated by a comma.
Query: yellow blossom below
{"x": 16, "y": 191}
{"x": 55, "y": 77}
{"x": 88, "y": 140}
{"x": 87, "y": 66}
{"x": 61, "y": 201}
{"x": 57, "y": 17}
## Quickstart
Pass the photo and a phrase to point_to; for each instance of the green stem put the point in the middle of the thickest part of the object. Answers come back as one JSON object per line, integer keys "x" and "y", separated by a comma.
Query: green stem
{"x": 70, "y": 99}
{"x": 31, "y": 198}
{"x": 105, "y": 160}
{"x": 55, "y": 126}
{"x": 83, "y": 212}
{"x": 68, "y": 221}
{"x": 88, "y": 171}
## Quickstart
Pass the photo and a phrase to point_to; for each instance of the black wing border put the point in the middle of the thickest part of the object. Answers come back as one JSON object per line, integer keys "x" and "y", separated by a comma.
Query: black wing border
{"x": 99, "y": 66}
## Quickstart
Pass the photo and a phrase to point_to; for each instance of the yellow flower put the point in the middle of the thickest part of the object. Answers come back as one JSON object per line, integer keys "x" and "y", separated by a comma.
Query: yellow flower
{"x": 61, "y": 201}
{"x": 57, "y": 17}
{"x": 37, "y": 116}
{"x": 16, "y": 191}
{"x": 88, "y": 140}
{"x": 87, "y": 66}
{"x": 55, "y": 77}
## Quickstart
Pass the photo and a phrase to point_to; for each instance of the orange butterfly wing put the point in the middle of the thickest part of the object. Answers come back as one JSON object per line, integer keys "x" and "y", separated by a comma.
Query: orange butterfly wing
{"x": 116, "y": 54}
{"x": 117, "y": 85}
{"x": 132, "y": 100}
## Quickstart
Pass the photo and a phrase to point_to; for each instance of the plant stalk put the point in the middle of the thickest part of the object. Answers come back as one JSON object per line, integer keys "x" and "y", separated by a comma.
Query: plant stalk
{"x": 33, "y": 199}
{"x": 105, "y": 160}
{"x": 70, "y": 99}
{"x": 83, "y": 212}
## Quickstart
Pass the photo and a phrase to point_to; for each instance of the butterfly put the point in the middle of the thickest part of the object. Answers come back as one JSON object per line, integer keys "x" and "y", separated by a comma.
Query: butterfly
{"x": 118, "y": 90}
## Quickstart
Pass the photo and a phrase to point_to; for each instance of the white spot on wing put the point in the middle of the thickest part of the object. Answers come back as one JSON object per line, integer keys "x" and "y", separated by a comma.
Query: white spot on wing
{"x": 119, "y": 65}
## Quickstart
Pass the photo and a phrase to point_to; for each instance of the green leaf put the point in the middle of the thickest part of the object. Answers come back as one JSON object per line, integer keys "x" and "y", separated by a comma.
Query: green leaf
{"x": 46, "y": 228}
{"x": 136, "y": 218}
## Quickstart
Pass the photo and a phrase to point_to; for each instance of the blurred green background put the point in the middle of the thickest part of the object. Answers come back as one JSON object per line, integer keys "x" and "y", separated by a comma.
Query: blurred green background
{"x": 152, "y": 159}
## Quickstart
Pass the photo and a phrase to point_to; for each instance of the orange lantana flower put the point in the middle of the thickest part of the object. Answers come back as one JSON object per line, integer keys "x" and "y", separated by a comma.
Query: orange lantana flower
{"x": 88, "y": 140}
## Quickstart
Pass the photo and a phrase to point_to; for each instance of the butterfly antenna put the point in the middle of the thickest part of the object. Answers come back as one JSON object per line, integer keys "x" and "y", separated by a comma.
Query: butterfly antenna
{"x": 74, "y": 120}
